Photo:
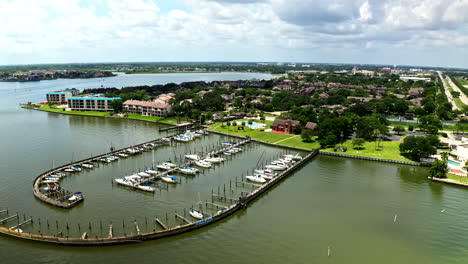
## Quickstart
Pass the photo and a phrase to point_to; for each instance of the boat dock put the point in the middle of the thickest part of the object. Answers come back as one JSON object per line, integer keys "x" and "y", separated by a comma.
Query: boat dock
{"x": 61, "y": 197}
{"x": 226, "y": 207}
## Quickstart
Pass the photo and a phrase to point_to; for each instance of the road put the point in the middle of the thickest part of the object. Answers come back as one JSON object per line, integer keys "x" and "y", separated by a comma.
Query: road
{"x": 447, "y": 92}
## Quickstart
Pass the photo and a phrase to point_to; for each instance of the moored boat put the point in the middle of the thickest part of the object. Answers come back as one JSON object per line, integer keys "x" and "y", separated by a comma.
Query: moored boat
{"x": 169, "y": 179}
{"x": 203, "y": 164}
{"x": 196, "y": 214}
{"x": 256, "y": 178}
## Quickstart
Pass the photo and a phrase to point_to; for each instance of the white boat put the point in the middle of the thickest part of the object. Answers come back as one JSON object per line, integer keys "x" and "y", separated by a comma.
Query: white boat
{"x": 131, "y": 151}
{"x": 279, "y": 163}
{"x": 214, "y": 159}
{"x": 69, "y": 170}
{"x": 87, "y": 166}
{"x": 122, "y": 155}
{"x": 265, "y": 176}
{"x": 266, "y": 172}
{"x": 112, "y": 157}
{"x": 237, "y": 148}
{"x": 188, "y": 170}
{"x": 192, "y": 157}
{"x": 293, "y": 157}
{"x": 76, "y": 168}
{"x": 203, "y": 164}
{"x": 196, "y": 214}
{"x": 226, "y": 144}
{"x": 145, "y": 188}
{"x": 106, "y": 160}
{"x": 125, "y": 182}
{"x": 182, "y": 139}
{"x": 169, "y": 179}
{"x": 256, "y": 178}
{"x": 151, "y": 171}
{"x": 50, "y": 181}
{"x": 73, "y": 198}
{"x": 143, "y": 174}
{"x": 227, "y": 153}
{"x": 166, "y": 166}
{"x": 19, "y": 230}
{"x": 275, "y": 167}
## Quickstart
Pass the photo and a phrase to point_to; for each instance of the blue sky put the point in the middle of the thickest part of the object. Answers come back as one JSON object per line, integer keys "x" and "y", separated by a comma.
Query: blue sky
{"x": 410, "y": 32}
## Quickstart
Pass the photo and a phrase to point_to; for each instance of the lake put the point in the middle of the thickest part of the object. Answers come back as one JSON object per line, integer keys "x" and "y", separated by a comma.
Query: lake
{"x": 346, "y": 205}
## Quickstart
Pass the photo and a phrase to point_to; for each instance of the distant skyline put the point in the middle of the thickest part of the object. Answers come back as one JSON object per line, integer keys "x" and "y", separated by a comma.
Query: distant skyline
{"x": 401, "y": 32}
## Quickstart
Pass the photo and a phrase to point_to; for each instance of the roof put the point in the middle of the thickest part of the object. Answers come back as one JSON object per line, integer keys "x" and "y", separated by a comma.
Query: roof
{"x": 282, "y": 122}
{"x": 146, "y": 104}
{"x": 311, "y": 125}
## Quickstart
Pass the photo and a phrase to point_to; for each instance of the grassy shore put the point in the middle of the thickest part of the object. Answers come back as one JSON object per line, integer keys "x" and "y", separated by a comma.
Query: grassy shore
{"x": 280, "y": 139}
{"x": 390, "y": 150}
{"x": 169, "y": 121}
{"x": 457, "y": 178}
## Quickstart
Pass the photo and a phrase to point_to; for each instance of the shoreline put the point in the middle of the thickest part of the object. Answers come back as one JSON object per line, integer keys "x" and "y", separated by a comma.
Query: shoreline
{"x": 449, "y": 181}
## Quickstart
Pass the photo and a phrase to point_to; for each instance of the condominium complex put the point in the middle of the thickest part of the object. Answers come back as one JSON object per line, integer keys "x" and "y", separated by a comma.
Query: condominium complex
{"x": 61, "y": 97}
{"x": 95, "y": 102}
{"x": 147, "y": 108}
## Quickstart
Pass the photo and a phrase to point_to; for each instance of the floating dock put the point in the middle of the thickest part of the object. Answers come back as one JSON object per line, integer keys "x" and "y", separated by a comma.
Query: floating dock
{"x": 224, "y": 212}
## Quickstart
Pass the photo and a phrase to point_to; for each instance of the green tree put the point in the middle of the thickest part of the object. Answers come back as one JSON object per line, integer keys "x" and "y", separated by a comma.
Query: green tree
{"x": 417, "y": 147}
{"x": 117, "y": 105}
{"x": 439, "y": 169}
{"x": 306, "y": 135}
{"x": 398, "y": 129}
{"x": 358, "y": 143}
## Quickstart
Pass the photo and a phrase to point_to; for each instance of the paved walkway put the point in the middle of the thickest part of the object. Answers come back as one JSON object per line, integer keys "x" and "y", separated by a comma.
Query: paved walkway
{"x": 285, "y": 139}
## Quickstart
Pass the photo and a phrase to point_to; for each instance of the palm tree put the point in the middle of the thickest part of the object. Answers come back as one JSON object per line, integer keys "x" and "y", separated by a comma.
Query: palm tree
{"x": 444, "y": 155}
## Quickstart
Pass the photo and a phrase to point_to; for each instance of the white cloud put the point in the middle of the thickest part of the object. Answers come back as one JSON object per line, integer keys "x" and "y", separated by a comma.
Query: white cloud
{"x": 225, "y": 29}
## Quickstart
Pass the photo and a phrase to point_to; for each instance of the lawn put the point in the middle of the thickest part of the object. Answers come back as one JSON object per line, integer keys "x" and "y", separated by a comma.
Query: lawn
{"x": 457, "y": 178}
{"x": 389, "y": 151}
{"x": 170, "y": 120}
{"x": 62, "y": 111}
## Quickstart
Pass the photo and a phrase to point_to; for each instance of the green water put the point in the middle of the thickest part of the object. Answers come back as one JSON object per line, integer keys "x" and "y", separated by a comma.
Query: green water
{"x": 347, "y": 205}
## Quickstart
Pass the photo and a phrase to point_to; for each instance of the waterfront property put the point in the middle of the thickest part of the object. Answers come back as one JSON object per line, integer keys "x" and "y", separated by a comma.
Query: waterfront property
{"x": 144, "y": 108}
{"x": 59, "y": 97}
{"x": 94, "y": 102}
{"x": 285, "y": 125}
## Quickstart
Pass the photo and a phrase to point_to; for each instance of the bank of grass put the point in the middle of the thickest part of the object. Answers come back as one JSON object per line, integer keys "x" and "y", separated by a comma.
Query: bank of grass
{"x": 458, "y": 102}
{"x": 457, "y": 178}
{"x": 169, "y": 121}
{"x": 280, "y": 139}
{"x": 62, "y": 111}
{"x": 390, "y": 150}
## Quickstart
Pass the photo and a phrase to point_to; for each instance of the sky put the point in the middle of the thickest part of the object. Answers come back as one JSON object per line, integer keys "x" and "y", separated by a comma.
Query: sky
{"x": 395, "y": 32}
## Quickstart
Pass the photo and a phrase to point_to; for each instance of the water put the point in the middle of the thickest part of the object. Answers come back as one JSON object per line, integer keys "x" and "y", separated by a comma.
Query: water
{"x": 347, "y": 205}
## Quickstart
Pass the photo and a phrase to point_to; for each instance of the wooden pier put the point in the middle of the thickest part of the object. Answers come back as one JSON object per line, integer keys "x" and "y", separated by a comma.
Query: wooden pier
{"x": 84, "y": 240}
{"x": 224, "y": 198}
{"x": 21, "y": 224}
{"x": 216, "y": 206}
{"x": 183, "y": 219}
{"x": 159, "y": 222}
{"x": 4, "y": 220}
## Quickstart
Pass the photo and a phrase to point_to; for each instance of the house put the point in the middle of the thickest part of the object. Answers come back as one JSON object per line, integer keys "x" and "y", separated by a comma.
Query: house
{"x": 285, "y": 125}
{"x": 147, "y": 108}
{"x": 163, "y": 98}
{"x": 311, "y": 125}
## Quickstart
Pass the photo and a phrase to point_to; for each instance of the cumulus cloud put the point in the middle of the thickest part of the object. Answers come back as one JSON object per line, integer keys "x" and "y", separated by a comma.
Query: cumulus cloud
{"x": 77, "y": 29}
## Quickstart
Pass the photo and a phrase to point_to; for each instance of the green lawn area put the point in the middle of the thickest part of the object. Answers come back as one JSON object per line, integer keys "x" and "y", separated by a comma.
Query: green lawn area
{"x": 389, "y": 151}
{"x": 457, "y": 178}
{"x": 170, "y": 120}
{"x": 62, "y": 111}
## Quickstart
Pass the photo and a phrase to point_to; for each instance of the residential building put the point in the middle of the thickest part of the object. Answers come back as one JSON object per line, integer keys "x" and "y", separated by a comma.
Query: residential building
{"x": 60, "y": 97}
{"x": 94, "y": 102}
{"x": 285, "y": 125}
{"x": 147, "y": 108}
{"x": 311, "y": 125}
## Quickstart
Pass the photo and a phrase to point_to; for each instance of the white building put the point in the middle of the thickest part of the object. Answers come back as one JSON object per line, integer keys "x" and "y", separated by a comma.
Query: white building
{"x": 95, "y": 102}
